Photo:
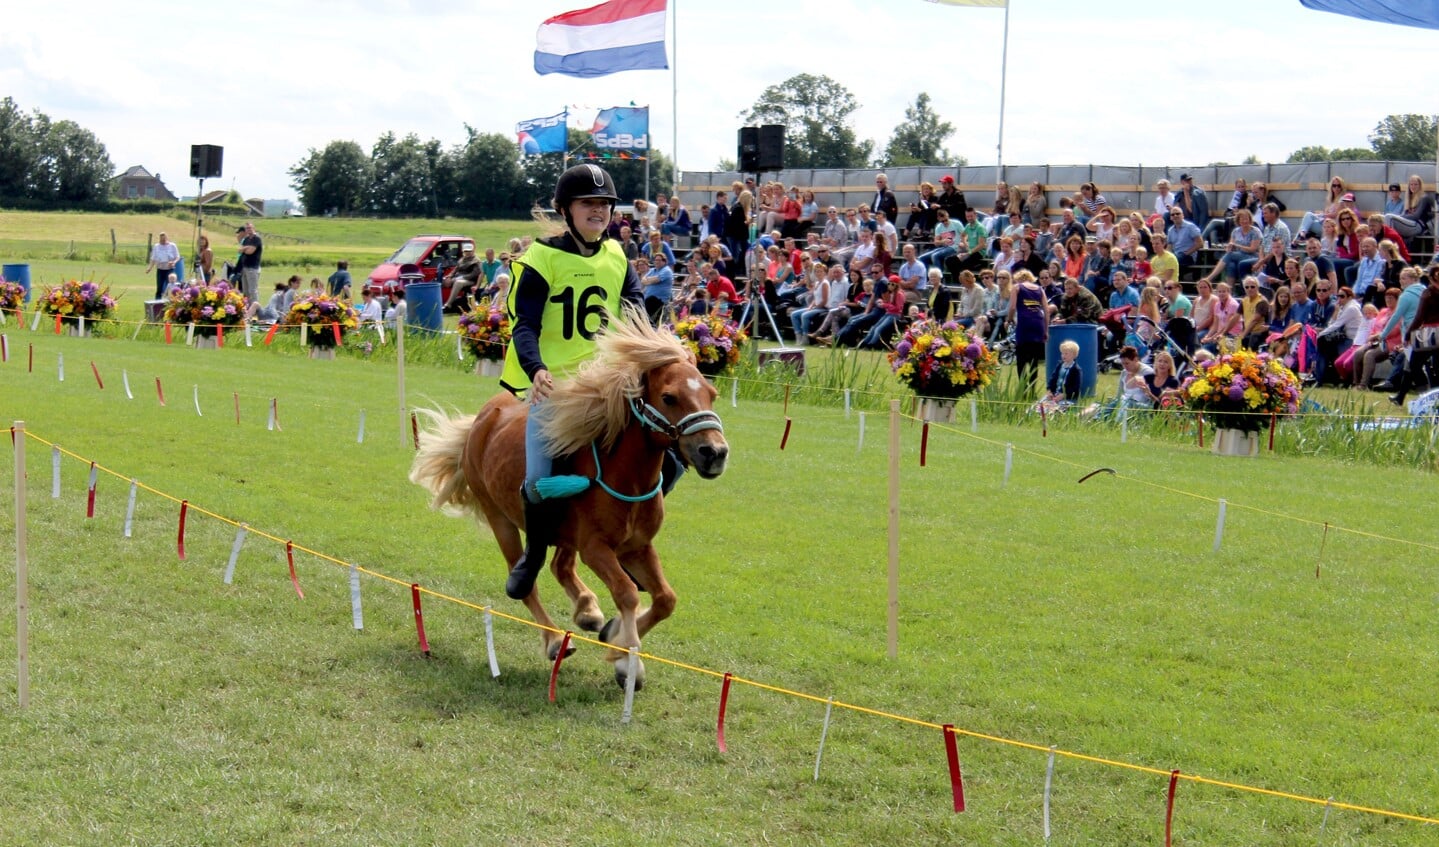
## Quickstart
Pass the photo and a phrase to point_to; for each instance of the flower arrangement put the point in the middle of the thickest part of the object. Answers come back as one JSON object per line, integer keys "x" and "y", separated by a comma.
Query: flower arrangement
{"x": 716, "y": 342}
{"x": 12, "y": 296}
{"x": 76, "y": 299}
{"x": 205, "y": 306}
{"x": 486, "y": 331}
{"x": 321, "y": 312}
{"x": 1241, "y": 390}
{"x": 942, "y": 360}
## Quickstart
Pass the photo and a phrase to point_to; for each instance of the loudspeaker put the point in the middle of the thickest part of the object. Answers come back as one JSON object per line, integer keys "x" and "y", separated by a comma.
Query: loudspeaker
{"x": 748, "y": 151}
{"x": 205, "y": 160}
{"x": 771, "y": 147}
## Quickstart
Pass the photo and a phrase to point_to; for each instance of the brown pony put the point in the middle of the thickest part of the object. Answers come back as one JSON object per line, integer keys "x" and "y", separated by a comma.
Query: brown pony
{"x": 638, "y": 397}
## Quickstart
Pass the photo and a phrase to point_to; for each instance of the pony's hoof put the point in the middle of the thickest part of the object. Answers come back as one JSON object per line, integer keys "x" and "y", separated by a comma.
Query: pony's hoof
{"x": 609, "y": 630}
{"x": 590, "y": 622}
{"x": 554, "y": 650}
{"x": 620, "y": 676}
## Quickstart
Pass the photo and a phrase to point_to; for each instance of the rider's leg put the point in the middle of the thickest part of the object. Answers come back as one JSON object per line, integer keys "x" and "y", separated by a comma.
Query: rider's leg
{"x": 540, "y": 517}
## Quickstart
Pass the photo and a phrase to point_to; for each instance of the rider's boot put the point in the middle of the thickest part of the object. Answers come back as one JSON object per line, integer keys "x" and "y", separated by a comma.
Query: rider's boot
{"x": 541, "y": 523}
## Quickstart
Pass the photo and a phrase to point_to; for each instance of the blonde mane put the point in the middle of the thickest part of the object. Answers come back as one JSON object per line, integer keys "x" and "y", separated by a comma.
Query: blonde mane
{"x": 594, "y": 404}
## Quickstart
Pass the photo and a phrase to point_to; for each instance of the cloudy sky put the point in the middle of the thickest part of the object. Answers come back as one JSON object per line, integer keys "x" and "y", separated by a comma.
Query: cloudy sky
{"x": 1107, "y": 83}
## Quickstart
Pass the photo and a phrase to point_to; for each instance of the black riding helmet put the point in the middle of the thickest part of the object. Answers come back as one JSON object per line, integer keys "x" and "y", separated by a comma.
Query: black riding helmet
{"x": 578, "y": 183}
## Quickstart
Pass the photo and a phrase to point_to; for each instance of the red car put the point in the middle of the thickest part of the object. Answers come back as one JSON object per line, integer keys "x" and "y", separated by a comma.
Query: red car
{"x": 434, "y": 255}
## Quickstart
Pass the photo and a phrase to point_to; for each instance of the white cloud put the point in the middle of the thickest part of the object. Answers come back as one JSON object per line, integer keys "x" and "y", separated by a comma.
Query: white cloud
{"x": 1087, "y": 82}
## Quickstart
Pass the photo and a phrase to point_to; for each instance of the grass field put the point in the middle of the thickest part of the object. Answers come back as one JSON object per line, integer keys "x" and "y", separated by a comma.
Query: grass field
{"x": 171, "y": 708}
{"x": 299, "y": 245}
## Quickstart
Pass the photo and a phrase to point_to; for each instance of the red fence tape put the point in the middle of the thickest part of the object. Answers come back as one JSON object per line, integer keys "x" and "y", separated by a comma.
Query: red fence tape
{"x": 559, "y": 657}
{"x": 290, "y": 557}
{"x": 956, "y": 779}
{"x": 724, "y": 702}
{"x": 180, "y": 538}
{"x": 1169, "y": 810}
{"x": 100, "y": 382}
{"x": 90, "y": 496}
{"x": 420, "y": 620}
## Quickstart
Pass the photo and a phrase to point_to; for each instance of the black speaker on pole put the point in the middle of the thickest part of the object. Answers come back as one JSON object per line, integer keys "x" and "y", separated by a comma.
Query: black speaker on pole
{"x": 771, "y": 147}
{"x": 206, "y": 160}
{"x": 748, "y": 152}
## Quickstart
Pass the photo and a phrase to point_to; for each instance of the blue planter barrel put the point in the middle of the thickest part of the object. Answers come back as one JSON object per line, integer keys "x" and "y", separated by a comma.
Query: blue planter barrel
{"x": 1087, "y": 337}
{"x": 20, "y": 274}
{"x": 424, "y": 309}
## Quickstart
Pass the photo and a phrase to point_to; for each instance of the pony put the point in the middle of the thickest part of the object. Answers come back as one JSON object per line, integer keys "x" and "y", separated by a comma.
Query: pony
{"x": 639, "y": 397}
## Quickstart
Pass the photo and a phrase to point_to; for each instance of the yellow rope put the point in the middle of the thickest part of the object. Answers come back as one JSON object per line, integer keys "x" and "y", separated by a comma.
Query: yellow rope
{"x": 777, "y": 689}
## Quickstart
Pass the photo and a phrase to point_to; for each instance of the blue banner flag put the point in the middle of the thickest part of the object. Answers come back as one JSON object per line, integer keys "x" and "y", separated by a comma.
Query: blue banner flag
{"x": 542, "y": 135}
{"x": 622, "y": 128}
{"x": 1423, "y": 13}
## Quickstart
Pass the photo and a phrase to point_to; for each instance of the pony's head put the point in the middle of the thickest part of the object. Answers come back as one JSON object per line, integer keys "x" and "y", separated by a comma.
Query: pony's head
{"x": 639, "y": 371}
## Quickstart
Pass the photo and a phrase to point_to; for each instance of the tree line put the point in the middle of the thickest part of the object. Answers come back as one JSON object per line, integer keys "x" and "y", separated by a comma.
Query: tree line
{"x": 485, "y": 176}
{"x": 49, "y": 163}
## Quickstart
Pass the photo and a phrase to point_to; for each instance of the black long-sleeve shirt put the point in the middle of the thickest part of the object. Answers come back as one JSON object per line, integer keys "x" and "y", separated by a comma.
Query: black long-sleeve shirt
{"x": 533, "y": 291}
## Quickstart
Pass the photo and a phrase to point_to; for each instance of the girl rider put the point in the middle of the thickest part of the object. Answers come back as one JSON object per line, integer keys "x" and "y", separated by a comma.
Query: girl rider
{"x": 567, "y": 286}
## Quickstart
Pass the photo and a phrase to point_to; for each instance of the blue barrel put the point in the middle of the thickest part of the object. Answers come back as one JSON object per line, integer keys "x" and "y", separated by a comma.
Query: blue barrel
{"x": 1087, "y": 337}
{"x": 20, "y": 274}
{"x": 424, "y": 309}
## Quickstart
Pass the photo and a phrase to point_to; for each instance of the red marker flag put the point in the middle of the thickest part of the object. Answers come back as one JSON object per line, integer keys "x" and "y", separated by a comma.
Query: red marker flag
{"x": 559, "y": 657}
{"x": 169, "y": 337}
{"x": 160, "y": 390}
{"x": 219, "y": 335}
{"x": 290, "y": 557}
{"x": 270, "y": 336}
{"x": 57, "y": 324}
{"x": 101, "y": 382}
{"x": 1169, "y": 810}
{"x": 956, "y": 779}
{"x": 338, "y": 341}
{"x": 923, "y": 444}
{"x": 785, "y": 438}
{"x": 420, "y": 620}
{"x": 719, "y": 724}
{"x": 180, "y": 539}
{"x": 90, "y": 496}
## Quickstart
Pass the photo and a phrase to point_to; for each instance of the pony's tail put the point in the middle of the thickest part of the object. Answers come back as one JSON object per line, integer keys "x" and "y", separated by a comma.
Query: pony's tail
{"x": 438, "y": 466}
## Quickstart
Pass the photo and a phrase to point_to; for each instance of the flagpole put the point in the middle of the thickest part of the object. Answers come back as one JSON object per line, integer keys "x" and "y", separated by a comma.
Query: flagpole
{"x": 565, "y": 118}
{"x": 675, "y": 93}
{"x": 1003, "y": 72}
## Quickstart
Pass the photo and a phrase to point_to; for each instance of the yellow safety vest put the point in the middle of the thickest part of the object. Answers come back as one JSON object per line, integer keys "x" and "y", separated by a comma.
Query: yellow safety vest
{"x": 582, "y": 290}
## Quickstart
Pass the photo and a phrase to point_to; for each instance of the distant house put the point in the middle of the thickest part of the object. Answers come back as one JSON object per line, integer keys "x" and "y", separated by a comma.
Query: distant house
{"x": 137, "y": 183}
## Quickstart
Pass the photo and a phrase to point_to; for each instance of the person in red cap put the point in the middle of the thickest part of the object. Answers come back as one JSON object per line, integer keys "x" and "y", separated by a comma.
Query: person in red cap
{"x": 951, "y": 199}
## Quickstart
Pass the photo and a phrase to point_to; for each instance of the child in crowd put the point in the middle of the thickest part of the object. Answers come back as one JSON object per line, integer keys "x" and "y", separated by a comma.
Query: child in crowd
{"x": 1142, "y": 268}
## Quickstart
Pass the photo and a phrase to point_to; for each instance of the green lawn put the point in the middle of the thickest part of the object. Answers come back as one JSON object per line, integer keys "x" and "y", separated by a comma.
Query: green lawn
{"x": 171, "y": 708}
{"x": 301, "y": 245}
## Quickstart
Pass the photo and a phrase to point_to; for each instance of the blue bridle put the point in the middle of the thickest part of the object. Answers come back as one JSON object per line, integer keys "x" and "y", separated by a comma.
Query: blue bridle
{"x": 653, "y": 419}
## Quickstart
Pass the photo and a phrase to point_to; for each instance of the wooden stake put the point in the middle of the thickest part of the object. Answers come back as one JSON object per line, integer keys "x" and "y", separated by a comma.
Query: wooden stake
{"x": 22, "y": 573}
{"x": 893, "y": 529}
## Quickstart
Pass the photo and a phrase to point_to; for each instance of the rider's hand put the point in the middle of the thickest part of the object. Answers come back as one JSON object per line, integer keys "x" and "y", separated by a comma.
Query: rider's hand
{"x": 542, "y": 385}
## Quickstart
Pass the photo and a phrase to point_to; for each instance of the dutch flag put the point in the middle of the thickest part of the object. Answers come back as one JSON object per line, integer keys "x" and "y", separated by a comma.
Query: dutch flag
{"x": 621, "y": 35}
